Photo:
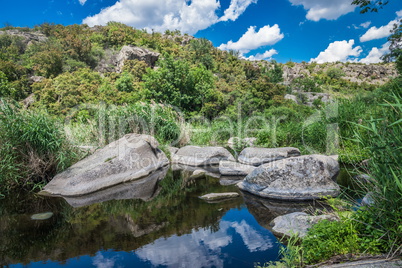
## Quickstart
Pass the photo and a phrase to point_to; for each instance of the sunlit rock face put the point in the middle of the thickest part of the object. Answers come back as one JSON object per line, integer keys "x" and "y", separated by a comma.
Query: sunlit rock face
{"x": 130, "y": 158}
{"x": 306, "y": 177}
{"x": 201, "y": 156}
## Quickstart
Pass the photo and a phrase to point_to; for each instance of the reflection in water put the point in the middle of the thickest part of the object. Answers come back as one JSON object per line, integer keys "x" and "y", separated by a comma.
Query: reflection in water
{"x": 144, "y": 189}
{"x": 207, "y": 248}
{"x": 174, "y": 228}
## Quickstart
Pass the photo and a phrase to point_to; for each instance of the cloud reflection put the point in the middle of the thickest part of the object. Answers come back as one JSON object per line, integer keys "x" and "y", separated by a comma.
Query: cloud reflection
{"x": 203, "y": 248}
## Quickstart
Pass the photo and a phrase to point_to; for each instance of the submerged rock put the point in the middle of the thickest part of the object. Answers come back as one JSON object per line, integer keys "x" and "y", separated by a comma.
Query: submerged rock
{"x": 304, "y": 177}
{"x": 219, "y": 196}
{"x": 42, "y": 216}
{"x": 132, "y": 157}
{"x": 201, "y": 156}
{"x": 296, "y": 223}
{"x": 258, "y": 156}
{"x": 230, "y": 168}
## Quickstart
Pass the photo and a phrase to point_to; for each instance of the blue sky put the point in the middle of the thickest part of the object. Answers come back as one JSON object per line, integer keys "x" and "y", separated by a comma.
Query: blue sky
{"x": 283, "y": 30}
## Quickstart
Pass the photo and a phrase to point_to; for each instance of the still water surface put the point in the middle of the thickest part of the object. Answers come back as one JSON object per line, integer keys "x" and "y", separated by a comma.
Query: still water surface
{"x": 169, "y": 226}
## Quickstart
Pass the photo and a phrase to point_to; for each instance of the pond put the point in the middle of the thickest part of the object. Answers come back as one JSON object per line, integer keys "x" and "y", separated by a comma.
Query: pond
{"x": 163, "y": 225}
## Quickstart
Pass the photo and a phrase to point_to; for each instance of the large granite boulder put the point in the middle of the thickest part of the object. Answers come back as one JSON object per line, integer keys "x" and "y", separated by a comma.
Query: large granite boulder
{"x": 201, "y": 156}
{"x": 306, "y": 177}
{"x": 297, "y": 223}
{"x": 230, "y": 168}
{"x": 135, "y": 53}
{"x": 132, "y": 157}
{"x": 259, "y": 156}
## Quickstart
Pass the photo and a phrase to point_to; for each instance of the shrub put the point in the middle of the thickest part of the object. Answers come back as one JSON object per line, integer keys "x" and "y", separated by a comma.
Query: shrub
{"x": 32, "y": 147}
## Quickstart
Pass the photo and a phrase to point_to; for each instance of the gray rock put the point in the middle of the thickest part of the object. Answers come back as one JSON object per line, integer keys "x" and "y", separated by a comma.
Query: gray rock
{"x": 132, "y": 157}
{"x": 230, "y": 180}
{"x": 306, "y": 177}
{"x": 258, "y": 156}
{"x": 132, "y": 53}
{"x": 188, "y": 171}
{"x": 230, "y": 168}
{"x": 145, "y": 189}
{"x": 201, "y": 156}
{"x": 291, "y": 97}
{"x": 42, "y": 216}
{"x": 367, "y": 200}
{"x": 296, "y": 223}
{"x": 234, "y": 142}
{"x": 219, "y": 196}
{"x": 198, "y": 173}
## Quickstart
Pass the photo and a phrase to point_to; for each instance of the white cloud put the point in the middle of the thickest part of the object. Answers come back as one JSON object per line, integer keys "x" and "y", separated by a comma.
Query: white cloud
{"x": 267, "y": 55}
{"x": 366, "y": 24}
{"x": 235, "y": 9}
{"x": 399, "y": 13}
{"x": 338, "y": 51}
{"x": 100, "y": 261}
{"x": 82, "y": 2}
{"x": 375, "y": 54}
{"x": 378, "y": 33}
{"x": 251, "y": 39}
{"x": 160, "y": 15}
{"x": 325, "y": 9}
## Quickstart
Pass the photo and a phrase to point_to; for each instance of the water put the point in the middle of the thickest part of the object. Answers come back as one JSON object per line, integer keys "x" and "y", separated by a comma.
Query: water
{"x": 168, "y": 227}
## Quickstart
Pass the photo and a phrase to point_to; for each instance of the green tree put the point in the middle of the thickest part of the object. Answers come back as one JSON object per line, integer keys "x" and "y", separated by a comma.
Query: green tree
{"x": 370, "y": 5}
{"x": 177, "y": 83}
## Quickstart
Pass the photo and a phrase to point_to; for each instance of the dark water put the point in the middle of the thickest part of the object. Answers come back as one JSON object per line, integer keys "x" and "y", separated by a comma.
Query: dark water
{"x": 164, "y": 224}
{"x": 168, "y": 227}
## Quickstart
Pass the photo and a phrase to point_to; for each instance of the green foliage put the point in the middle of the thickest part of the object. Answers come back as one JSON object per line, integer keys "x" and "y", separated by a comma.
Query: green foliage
{"x": 177, "y": 83}
{"x": 275, "y": 74}
{"x": 33, "y": 147}
{"x": 61, "y": 94}
{"x": 327, "y": 239}
{"x": 5, "y": 89}
{"x": 335, "y": 73}
{"x": 125, "y": 82}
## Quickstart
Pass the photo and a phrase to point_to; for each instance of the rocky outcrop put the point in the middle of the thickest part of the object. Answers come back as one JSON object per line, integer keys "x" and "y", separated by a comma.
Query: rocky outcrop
{"x": 201, "y": 156}
{"x": 306, "y": 177}
{"x": 27, "y": 38}
{"x": 230, "y": 168}
{"x": 219, "y": 196}
{"x": 296, "y": 223}
{"x": 135, "y": 53}
{"x": 258, "y": 156}
{"x": 130, "y": 158}
{"x": 308, "y": 98}
{"x": 353, "y": 72}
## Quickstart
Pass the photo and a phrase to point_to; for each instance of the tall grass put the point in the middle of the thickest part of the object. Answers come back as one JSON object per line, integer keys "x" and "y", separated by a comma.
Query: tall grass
{"x": 32, "y": 147}
{"x": 383, "y": 219}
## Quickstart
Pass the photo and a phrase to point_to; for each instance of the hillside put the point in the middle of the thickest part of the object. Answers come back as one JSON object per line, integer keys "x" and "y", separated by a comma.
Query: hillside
{"x": 117, "y": 65}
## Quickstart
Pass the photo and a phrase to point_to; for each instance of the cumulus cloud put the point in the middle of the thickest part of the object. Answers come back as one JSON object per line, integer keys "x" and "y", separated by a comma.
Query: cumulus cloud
{"x": 366, "y": 24}
{"x": 160, "y": 15}
{"x": 338, "y": 51}
{"x": 375, "y": 54}
{"x": 235, "y": 9}
{"x": 324, "y": 9}
{"x": 267, "y": 55}
{"x": 378, "y": 33}
{"x": 82, "y": 2}
{"x": 253, "y": 39}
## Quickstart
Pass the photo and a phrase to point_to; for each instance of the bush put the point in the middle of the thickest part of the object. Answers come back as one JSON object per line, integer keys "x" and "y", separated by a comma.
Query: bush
{"x": 32, "y": 147}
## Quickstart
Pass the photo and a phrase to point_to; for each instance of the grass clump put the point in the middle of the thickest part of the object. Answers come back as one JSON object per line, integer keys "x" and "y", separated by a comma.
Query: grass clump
{"x": 32, "y": 147}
